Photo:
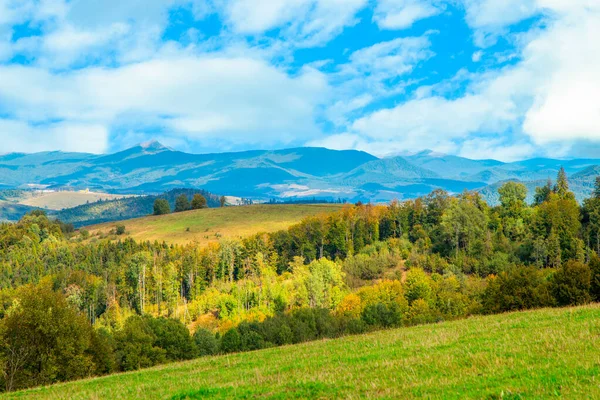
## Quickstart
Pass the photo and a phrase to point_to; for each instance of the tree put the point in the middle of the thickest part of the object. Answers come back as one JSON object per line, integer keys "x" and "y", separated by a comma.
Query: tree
{"x": 512, "y": 198}
{"x": 562, "y": 184}
{"x": 231, "y": 341}
{"x": 161, "y": 207}
{"x": 571, "y": 284}
{"x": 44, "y": 340}
{"x": 198, "y": 202}
{"x": 223, "y": 201}
{"x": 182, "y": 203}
{"x": 596, "y": 193}
{"x": 206, "y": 343}
{"x": 542, "y": 194}
{"x": 120, "y": 230}
{"x": 595, "y": 278}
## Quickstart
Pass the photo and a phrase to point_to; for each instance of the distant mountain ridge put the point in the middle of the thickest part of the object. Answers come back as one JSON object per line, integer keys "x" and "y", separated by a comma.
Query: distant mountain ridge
{"x": 296, "y": 173}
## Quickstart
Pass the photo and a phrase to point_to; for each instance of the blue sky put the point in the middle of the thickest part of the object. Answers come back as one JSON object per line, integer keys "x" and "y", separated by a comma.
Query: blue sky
{"x": 504, "y": 79}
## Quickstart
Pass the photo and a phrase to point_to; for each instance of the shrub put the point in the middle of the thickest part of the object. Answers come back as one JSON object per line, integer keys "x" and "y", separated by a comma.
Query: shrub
{"x": 382, "y": 315}
{"x": 519, "y": 288}
{"x": 231, "y": 341}
{"x": 595, "y": 278}
{"x": 120, "y": 230}
{"x": 206, "y": 343}
{"x": 571, "y": 283}
{"x": 172, "y": 336}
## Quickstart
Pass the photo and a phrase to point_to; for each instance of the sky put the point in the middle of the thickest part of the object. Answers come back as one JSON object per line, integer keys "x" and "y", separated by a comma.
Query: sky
{"x": 502, "y": 79}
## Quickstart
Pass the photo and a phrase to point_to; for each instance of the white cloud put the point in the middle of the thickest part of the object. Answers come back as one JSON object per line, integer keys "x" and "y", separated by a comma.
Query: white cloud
{"x": 376, "y": 72}
{"x": 18, "y": 136}
{"x": 476, "y": 57}
{"x": 402, "y": 14}
{"x": 303, "y": 22}
{"x": 234, "y": 100}
{"x": 567, "y": 57}
{"x": 496, "y": 149}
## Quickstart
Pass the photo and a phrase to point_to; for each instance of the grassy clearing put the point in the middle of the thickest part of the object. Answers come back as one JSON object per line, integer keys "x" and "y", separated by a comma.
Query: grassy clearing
{"x": 62, "y": 200}
{"x": 537, "y": 354}
{"x": 212, "y": 224}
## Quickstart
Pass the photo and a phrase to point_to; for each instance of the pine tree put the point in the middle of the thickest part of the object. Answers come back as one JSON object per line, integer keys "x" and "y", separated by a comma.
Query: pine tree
{"x": 596, "y": 193}
{"x": 562, "y": 184}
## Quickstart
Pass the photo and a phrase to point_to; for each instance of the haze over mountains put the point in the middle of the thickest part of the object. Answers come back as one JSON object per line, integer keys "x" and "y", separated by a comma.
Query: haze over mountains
{"x": 284, "y": 174}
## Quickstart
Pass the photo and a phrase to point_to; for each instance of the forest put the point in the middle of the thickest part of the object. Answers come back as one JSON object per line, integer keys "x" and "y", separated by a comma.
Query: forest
{"x": 74, "y": 307}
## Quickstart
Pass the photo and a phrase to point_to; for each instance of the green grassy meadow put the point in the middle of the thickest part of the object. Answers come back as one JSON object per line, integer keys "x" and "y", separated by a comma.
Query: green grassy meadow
{"x": 549, "y": 353}
{"x": 212, "y": 224}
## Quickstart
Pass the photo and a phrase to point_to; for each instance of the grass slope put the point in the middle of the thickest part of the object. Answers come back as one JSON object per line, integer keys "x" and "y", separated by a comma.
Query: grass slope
{"x": 61, "y": 200}
{"x": 535, "y": 354}
{"x": 212, "y": 224}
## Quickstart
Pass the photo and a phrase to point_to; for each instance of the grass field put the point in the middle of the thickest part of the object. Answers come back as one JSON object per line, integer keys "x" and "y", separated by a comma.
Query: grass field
{"x": 529, "y": 355}
{"x": 61, "y": 200}
{"x": 213, "y": 224}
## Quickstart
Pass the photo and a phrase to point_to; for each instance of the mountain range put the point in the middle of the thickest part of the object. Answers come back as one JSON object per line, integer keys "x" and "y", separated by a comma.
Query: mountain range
{"x": 296, "y": 173}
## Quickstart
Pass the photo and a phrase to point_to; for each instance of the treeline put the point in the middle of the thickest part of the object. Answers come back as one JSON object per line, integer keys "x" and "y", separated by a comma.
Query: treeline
{"x": 129, "y": 207}
{"x": 366, "y": 267}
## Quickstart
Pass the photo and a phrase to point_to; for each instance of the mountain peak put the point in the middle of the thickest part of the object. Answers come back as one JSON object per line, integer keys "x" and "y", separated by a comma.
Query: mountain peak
{"x": 153, "y": 146}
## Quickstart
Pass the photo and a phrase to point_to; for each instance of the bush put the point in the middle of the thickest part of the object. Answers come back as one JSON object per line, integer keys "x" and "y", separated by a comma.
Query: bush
{"x": 206, "y": 343}
{"x": 231, "y": 341}
{"x": 135, "y": 345}
{"x": 595, "y": 278}
{"x": 172, "y": 336}
{"x": 120, "y": 230}
{"x": 382, "y": 315}
{"x": 571, "y": 284}
{"x": 519, "y": 288}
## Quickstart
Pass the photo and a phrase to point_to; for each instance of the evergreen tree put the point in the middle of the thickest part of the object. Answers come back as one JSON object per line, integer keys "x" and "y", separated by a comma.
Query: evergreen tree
{"x": 596, "y": 193}
{"x": 198, "y": 202}
{"x": 562, "y": 184}
{"x": 182, "y": 203}
{"x": 161, "y": 207}
{"x": 542, "y": 194}
{"x": 223, "y": 201}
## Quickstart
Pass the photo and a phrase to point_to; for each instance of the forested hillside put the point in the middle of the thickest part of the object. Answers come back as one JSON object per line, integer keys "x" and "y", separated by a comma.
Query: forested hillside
{"x": 127, "y": 208}
{"x": 118, "y": 306}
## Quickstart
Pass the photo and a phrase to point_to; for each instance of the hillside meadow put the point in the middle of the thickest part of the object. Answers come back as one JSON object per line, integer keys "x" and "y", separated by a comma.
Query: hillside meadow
{"x": 213, "y": 224}
{"x": 524, "y": 355}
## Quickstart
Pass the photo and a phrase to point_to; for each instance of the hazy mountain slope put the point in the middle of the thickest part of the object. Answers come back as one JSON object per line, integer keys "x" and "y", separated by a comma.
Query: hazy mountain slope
{"x": 451, "y": 167}
{"x": 386, "y": 170}
{"x": 304, "y": 172}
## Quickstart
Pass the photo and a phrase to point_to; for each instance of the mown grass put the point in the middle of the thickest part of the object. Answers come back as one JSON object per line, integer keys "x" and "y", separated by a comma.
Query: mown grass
{"x": 529, "y": 355}
{"x": 213, "y": 224}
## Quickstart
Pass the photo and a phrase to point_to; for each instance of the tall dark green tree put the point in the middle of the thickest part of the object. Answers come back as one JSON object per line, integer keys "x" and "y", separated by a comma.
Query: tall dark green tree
{"x": 161, "y": 207}
{"x": 562, "y": 184}
{"x": 182, "y": 203}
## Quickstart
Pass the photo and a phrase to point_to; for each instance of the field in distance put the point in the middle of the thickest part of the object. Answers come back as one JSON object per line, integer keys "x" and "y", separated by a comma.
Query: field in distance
{"x": 213, "y": 224}
{"x": 63, "y": 199}
{"x": 534, "y": 354}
